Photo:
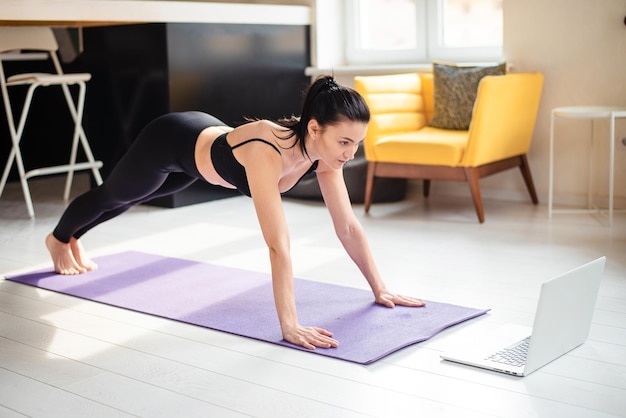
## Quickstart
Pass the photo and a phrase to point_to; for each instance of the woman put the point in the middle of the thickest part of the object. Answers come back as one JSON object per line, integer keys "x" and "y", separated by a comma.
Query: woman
{"x": 262, "y": 159}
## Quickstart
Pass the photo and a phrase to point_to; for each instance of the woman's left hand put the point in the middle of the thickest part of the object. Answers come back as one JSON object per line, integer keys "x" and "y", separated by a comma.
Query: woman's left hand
{"x": 390, "y": 300}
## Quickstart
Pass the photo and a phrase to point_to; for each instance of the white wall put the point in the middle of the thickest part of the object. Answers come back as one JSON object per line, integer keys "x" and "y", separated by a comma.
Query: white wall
{"x": 580, "y": 47}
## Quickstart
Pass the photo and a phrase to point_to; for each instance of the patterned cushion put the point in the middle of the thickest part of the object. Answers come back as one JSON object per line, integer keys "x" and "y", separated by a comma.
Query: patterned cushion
{"x": 455, "y": 92}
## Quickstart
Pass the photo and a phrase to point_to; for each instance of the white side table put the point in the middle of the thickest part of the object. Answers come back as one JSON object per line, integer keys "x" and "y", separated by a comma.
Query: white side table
{"x": 591, "y": 113}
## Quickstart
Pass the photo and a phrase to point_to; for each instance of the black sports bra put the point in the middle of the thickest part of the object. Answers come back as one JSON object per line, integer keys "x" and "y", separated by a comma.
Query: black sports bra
{"x": 229, "y": 168}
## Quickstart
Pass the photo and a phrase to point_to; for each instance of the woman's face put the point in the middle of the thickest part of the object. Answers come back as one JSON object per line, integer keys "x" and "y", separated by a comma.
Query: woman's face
{"x": 336, "y": 144}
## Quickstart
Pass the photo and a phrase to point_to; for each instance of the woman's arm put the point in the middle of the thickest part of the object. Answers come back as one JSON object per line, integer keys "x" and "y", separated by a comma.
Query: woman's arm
{"x": 352, "y": 237}
{"x": 263, "y": 167}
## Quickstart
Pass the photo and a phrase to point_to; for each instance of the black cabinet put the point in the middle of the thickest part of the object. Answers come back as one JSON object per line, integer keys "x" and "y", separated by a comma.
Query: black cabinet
{"x": 232, "y": 71}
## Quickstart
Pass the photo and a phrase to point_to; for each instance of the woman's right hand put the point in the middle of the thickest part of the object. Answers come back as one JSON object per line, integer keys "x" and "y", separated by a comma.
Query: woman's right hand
{"x": 310, "y": 337}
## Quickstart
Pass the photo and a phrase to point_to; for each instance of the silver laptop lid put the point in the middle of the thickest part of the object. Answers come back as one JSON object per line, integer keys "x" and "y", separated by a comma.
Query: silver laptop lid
{"x": 564, "y": 313}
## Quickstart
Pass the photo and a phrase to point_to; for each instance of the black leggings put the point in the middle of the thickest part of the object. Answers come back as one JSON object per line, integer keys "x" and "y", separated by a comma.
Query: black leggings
{"x": 160, "y": 162}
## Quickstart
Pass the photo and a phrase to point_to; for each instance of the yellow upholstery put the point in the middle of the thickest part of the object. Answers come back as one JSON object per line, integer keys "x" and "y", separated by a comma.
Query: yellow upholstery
{"x": 504, "y": 117}
{"x": 437, "y": 146}
{"x": 400, "y": 143}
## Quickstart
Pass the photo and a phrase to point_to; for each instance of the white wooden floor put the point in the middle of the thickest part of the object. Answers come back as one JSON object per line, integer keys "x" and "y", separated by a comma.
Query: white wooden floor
{"x": 66, "y": 357}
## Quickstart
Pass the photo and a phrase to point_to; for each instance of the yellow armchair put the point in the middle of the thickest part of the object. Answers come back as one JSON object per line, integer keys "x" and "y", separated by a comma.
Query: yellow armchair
{"x": 400, "y": 143}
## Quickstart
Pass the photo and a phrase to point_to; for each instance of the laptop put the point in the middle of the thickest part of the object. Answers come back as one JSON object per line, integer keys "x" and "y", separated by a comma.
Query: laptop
{"x": 562, "y": 323}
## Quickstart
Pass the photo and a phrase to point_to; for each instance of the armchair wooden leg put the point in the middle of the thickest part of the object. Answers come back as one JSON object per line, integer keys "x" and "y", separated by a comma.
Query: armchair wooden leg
{"x": 426, "y": 185}
{"x": 471, "y": 173}
{"x": 369, "y": 185}
{"x": 528, "y": 179}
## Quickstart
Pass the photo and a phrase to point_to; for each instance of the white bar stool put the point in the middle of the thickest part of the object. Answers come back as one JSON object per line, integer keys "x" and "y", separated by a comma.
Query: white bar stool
{"x": 42, "y": 39}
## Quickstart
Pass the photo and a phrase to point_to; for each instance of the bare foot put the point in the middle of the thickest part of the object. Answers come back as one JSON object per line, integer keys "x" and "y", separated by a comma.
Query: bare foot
{"x": 62, "y": 257}
{"x": 81, "y": 256}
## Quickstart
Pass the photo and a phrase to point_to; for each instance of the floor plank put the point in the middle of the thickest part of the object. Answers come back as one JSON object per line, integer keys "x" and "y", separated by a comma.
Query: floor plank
{"x": 32, "y": 398}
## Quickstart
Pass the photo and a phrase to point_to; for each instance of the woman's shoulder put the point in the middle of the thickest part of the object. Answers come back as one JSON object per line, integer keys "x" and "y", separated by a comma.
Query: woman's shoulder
{"x": 262, "y": 128}
{"x": 265, "y": 124}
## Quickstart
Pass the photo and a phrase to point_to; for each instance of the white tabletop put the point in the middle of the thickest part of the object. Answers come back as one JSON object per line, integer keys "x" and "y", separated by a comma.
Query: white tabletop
{"x": 590, "y": 112}
{"x": 105, "y": 12}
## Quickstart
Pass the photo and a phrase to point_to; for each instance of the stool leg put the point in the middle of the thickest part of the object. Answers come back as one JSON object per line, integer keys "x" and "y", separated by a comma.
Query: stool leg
{"x": 612, "y": 169}
{"x": 7, "y": 169}
{"x": 551, "y": 166}
{"x": 16, "y": 156}
{"x": 591, "y": 169}
{"x": 79, "y": 134}
{"x": 89, "y": 155}
{"x": 24, "y": 181}
{"x": 16, "y": 136}
{"x": 76, "y": 116}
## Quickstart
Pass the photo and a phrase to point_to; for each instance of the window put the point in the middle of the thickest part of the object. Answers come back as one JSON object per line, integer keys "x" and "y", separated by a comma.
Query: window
{"x": 409, "y": 31}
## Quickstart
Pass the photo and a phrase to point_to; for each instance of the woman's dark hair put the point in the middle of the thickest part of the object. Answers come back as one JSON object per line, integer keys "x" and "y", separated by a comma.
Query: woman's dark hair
{"x": 327, "y": 102}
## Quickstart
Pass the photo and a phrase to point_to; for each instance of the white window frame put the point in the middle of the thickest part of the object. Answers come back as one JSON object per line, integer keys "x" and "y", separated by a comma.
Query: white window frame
{"x": 436, "y": 49}
{"x": 356, "y": 55}
{"x": 429, "y": 21}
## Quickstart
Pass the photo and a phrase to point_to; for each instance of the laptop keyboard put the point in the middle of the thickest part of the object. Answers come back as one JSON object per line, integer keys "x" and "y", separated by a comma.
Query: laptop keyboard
{"x": 514, "y": 356}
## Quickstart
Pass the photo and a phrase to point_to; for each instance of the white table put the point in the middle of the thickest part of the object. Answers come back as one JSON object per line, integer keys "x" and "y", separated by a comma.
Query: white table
{"x": 592, "y": 113}
{"x": 81, "y": 13}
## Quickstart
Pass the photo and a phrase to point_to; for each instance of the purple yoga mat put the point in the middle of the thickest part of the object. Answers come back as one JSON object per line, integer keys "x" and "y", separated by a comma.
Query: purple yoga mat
{"x": 241, "y": 302}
